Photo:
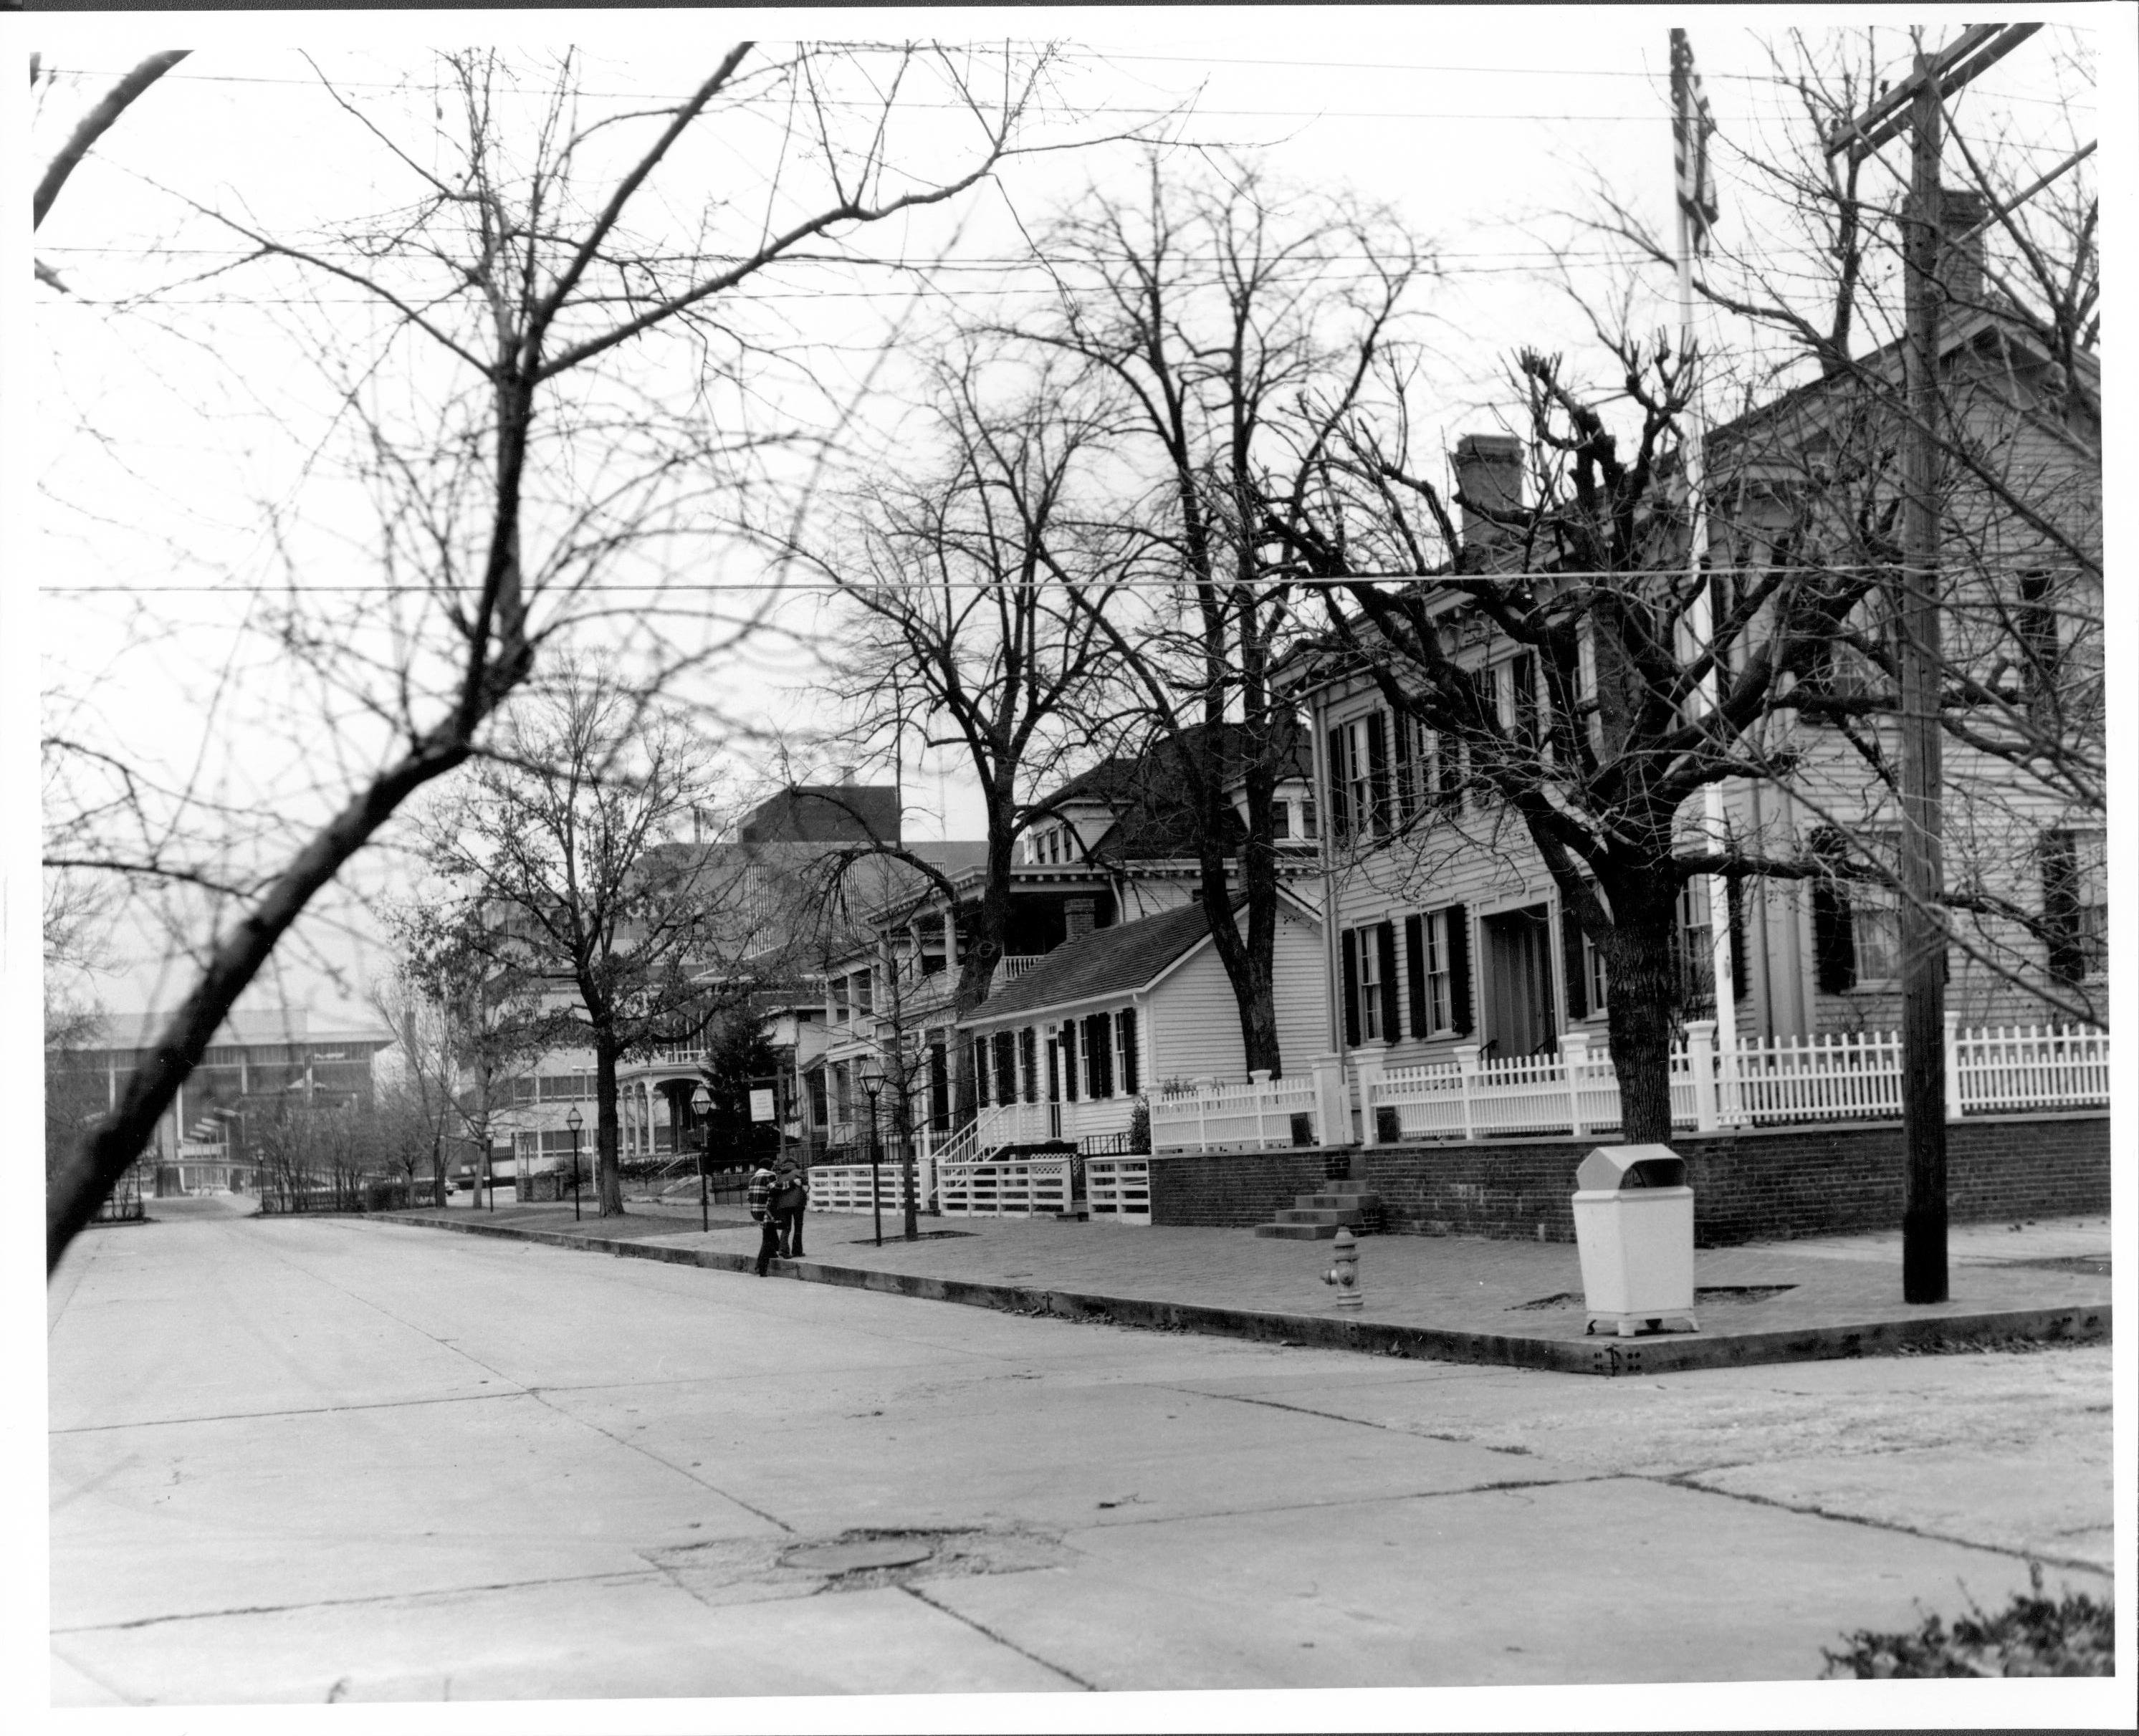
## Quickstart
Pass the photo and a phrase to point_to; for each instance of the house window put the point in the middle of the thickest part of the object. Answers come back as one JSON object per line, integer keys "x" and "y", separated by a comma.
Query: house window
{"x": 980, "y": 1070}
{"x": 1280, "y": 820}
{"x": 1307, "y": 817}
{"x": 1855, "y": 924}
{"x": 1517, "y": 694}
{"x": 1006, "y": 1050}
{"x": 1028, "y": 1055}
{"x": 1594, "y": 973}
{"x": 1370, "y": 988}
{"x": 1370, "y": 984}
{"x": 1440, "y": 1007}
{"x": 1697, "y": 956}
{"x": 2075, "y": 905}
{"x": 1125, "y": 1032}
{"x": 864, "y": 991}
{"x": 1359, "y": 774}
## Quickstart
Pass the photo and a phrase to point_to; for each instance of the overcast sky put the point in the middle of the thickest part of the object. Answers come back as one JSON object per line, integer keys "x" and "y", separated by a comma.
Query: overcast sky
{"x": 163, "y": 429}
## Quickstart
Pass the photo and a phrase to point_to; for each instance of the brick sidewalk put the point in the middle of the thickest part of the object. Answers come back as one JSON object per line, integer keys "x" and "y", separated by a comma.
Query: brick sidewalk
{"x": 1508, "y": 1300}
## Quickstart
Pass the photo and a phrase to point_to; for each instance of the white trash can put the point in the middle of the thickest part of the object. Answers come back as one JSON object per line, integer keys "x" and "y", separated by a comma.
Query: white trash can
{"x": 1633, "y": 1226}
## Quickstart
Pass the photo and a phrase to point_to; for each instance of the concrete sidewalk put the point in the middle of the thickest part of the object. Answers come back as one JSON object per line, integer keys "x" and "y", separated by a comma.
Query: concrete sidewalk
{"x": 1455, "y": 1298}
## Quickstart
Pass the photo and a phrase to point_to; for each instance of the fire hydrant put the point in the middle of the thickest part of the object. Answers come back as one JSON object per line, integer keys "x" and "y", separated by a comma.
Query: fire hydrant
{"x": 1344, "y": 1272}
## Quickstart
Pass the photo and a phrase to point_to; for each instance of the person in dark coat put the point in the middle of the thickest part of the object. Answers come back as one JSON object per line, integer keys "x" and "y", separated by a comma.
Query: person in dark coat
{"x": 790, "y": 1196}
{"x": 759, "y": 1199}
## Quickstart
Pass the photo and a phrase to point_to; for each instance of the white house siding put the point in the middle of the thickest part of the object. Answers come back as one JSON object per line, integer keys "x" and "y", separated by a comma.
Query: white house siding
{"x": 1195, "y": 1021}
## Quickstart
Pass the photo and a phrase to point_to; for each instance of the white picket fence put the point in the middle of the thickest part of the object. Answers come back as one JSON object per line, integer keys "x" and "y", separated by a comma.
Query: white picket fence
{"x": 1118, "y": 1190}
{"x": 1993, "y": 1070}
{"x": 1849, "y": 1077}
{"x": 1003, "y": 1187}
{"x": 1255, "y": 1116}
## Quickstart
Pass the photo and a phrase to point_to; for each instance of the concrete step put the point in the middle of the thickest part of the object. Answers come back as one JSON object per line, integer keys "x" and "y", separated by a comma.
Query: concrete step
{"x": 1299, "y": 1232}
{"x": 1322, "y": 1215}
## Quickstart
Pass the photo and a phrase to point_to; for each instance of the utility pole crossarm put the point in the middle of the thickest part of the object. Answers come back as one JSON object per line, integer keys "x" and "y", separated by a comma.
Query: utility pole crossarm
{"x": 1950, "y": 68}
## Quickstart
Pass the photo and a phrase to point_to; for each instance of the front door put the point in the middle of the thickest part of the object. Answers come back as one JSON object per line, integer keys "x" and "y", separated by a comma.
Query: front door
{"x": 1519, "y": 1015}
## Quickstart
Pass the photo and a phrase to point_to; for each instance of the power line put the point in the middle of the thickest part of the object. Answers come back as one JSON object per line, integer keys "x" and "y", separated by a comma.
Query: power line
{"x": 833, "y": 587}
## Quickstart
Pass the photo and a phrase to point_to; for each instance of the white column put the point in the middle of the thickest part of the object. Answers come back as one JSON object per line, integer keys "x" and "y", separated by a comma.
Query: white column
{"x": 1574, "y": 1057}
{"x": 1466, "y": 1079}
{"x": 1370, "y": 1065}
{"x": 1701, "y": 1055}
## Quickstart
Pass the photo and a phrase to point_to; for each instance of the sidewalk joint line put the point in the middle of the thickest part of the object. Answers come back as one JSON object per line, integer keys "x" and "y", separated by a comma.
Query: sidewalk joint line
{"x": 1683, "y": 1479}
{"x": 986, "y": 1632}
{"x": 619, "y": 1576}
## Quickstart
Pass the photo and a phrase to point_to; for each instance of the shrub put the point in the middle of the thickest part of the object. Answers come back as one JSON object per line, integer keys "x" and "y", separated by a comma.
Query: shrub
{"x": 2034, "y": 1636}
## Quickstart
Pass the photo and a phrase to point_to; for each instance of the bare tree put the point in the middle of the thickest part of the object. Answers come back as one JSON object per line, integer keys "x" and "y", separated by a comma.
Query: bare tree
{"x": 1228, "y": 329}
{"x": 964, "y": 633}
{"x": 498, "y": 415}
{"x": 560, "y": 845}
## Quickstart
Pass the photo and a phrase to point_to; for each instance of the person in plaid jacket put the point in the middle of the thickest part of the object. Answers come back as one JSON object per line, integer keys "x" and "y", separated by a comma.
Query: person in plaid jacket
{"x": 759, "y": 1199}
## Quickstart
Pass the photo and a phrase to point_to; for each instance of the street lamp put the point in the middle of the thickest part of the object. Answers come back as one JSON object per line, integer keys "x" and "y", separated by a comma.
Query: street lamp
{"x": 872, "y": 1083}
{"x": 701, "y": 1101}
{"x": 575, "y": 1121}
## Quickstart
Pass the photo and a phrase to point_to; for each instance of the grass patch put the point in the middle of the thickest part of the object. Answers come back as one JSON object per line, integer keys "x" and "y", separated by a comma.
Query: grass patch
{"x": 2033, "y": 1635}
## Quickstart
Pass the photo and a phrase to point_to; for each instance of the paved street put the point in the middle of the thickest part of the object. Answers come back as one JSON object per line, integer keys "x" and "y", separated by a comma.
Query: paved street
{"x": 337, "y": 1458}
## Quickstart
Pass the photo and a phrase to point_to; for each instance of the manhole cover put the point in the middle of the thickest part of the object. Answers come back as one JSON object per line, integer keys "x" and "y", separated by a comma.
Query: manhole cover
{"x": 858, "y": 1558}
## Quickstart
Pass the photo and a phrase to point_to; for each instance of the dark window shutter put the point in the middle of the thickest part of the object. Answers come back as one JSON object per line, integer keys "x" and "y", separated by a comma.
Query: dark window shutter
{"x": 2061, "y": 908}
{"x": 939, "y": 1087}
{"x": 1834, "y": 945}
{"x": 1422, "y": 1017}
{"x": 1459, "y": 969}
{"x": 1378, "y": 773}
{"x": 1098, "y": 1056}
{"x": 1741, "y": 968}
{"x": 1351, "y": 989}
{"x": 1006, "y": 1068}
{"x": 1406, "y": 766}
{"x": 1385, "y": 943}
{"x": 1053, "y": 1072}
{"x": 1068, "y": 1040}
{"x": 1570, "y": 963}
{"x": 1339, "y": 818}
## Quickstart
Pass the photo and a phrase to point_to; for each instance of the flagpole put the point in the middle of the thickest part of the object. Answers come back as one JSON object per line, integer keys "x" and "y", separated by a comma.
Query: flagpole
{"x": 1701, "y": 615}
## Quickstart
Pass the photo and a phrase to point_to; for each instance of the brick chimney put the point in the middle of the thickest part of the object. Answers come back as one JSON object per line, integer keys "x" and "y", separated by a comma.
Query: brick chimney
{"x": 1077, "y": 917}
{"x": 1488, "y": 470}
{"x": 1960, "y": 262}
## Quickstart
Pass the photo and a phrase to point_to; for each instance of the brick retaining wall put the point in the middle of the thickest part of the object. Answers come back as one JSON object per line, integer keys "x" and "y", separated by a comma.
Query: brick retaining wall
{"x": 1234, "y": 1190}
{"x": 1764, "y": 1182}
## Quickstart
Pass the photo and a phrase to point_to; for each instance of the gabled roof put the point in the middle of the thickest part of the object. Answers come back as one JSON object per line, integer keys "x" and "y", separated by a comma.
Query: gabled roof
{"x": 1116, "y": 961}
{"x": 1106, "y": 962}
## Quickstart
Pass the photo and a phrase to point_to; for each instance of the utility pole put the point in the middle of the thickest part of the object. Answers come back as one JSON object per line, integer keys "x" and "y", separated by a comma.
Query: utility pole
{"x": 1915, "y": 609}
{"x": 1918, "y": 103}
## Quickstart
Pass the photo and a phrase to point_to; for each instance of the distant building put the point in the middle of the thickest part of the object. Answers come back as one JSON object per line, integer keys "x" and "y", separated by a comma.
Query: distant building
{"x": 259, "y": 1061}
{"x": 842, "y": 812}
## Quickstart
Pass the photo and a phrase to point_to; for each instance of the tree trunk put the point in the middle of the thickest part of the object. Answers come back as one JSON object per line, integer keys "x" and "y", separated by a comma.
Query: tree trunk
{"x": 608, "y": 1182}
{"x": 1643, "y": 994}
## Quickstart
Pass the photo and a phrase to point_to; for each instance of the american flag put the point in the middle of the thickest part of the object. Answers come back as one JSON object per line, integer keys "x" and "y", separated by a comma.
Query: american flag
{"x": 1691, "y": 126}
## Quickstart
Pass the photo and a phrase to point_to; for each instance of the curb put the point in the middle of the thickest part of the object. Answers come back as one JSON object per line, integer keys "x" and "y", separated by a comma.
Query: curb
{"x": 1663, "y": 1354}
